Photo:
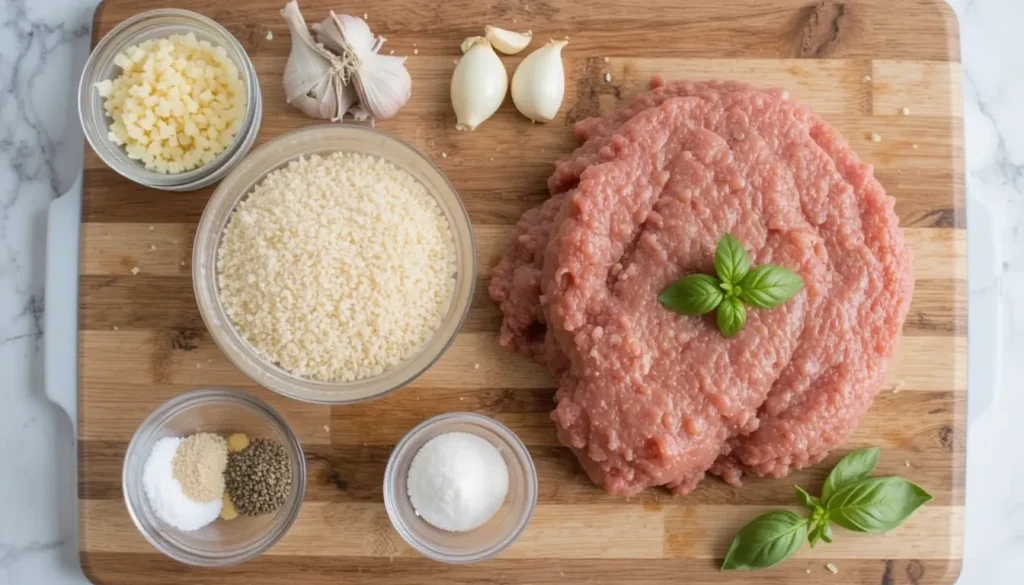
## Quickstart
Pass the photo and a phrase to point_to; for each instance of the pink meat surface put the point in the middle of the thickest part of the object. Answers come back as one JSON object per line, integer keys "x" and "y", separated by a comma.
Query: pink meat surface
{"x": 651, "y": 398}
{"x": 515, "y": 281}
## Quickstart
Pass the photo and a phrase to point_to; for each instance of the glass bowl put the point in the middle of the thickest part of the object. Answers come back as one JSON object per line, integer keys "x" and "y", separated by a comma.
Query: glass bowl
{"x": 222, "y": 542}
{"x": 325, "y": 139}
{"x": 156, "y": 24}
{"x": 480, "y": 543}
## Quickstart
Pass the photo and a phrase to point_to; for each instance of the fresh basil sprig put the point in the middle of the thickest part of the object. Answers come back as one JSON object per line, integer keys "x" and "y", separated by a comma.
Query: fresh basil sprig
{"x": 764, "y": 287}
{"x": 849, "y": 498}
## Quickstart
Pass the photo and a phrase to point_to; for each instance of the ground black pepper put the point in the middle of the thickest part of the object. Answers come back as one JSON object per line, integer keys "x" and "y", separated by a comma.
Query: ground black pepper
{"x": 259, "y": 477}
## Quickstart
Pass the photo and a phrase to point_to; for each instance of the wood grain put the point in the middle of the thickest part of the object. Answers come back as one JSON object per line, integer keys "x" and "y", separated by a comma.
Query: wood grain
{"x": 858, "y": 64}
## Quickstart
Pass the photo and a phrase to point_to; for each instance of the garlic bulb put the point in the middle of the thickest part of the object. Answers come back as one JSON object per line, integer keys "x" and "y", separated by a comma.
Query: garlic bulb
{"x": 341, "y": 71}
{"x": 478, "y": 85}
{"x": 382, "y": 82}
{"x": 538, "y": 84}
{"x": 313, "y": 76}
{"x": 507, "y": 41}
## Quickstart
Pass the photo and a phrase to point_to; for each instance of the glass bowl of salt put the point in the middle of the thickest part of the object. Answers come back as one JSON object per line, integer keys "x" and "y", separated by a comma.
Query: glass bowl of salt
{"x": 196, "y": 533}
{"x": 460, "y": 487}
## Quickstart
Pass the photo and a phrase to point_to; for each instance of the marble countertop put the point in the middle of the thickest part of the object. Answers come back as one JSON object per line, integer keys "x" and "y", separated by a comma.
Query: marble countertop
{"x": 43, "y": 46}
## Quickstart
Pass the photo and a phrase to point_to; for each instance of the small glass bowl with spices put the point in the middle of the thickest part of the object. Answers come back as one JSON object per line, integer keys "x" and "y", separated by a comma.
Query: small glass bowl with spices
{"x": 460, "y": 487}
{"x": 170, "y": 99}
{"x": 214, "y": 477}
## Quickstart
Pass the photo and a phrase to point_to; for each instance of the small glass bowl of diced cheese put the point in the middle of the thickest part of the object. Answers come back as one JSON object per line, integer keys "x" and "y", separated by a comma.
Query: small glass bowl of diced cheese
{"x": 170, "y": 100}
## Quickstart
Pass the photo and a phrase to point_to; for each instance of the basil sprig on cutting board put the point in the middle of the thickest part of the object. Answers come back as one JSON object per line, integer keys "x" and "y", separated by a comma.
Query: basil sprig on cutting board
{"x": 736, "y": 287}
{"x": 849, "y": 499}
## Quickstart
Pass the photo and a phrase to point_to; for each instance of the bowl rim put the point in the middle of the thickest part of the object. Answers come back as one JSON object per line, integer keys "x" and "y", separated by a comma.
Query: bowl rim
{"x": 274, "y": 377}
{"x": 397, "y": 520}
{"x": 209, "y": 172}
{"x": 158, "y": 417}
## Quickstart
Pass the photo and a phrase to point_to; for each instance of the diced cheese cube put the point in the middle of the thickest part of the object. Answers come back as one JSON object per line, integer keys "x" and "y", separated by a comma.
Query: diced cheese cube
{"x": 105, "y": 87}
{"x": 122, "y": 61}
{"x": 177, "y": 103}
{"x": 163, "y": 108}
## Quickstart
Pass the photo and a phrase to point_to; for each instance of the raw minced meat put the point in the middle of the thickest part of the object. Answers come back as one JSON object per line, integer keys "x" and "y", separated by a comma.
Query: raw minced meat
{"x": 648, "y": 397}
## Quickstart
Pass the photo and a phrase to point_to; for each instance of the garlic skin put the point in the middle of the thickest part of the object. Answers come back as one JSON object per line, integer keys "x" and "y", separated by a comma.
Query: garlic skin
{"x": 341, "y": 71}
{"x": 538, "y": 85}
{"x": 313, "y": 75}
{"x": 383, "y": 84}
{"x": 507, "y": 41}
{"x": 479, "y": 84}
{"x": 381, "y": 81}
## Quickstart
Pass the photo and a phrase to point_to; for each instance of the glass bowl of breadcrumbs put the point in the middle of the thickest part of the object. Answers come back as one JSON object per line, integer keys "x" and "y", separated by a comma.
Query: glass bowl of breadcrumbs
{"x": 335, "y": 264}
{"x": 169, "y": 99}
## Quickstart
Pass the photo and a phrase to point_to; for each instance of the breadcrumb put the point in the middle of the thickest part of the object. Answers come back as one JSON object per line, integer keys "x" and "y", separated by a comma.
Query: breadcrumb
{"x": 875, "y": 137}
{"x": 608, "y": 77}
{"x": 337, "y": 267}
{"x": 832, "y": 568}
{"x": 135, "y": 270}
{"x": 905, "y": 111}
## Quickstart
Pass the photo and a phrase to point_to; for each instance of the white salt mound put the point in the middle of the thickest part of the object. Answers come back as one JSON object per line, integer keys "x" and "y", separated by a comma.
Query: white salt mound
{"x": 457, "y": 481}
{"x": 165, "y": 494}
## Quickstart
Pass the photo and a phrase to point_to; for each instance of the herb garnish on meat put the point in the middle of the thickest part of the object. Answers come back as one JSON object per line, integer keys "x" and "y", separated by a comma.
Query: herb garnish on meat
{"x": 736, "y": 287}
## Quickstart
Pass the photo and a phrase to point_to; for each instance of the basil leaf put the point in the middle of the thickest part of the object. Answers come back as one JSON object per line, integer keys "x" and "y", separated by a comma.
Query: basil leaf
{"x": 826, "y": 533}
{"x": 807, "y": 500}
{"x": 768, "y": 286}
{"x": 876, "y": 504}
{"x": 696, "y": 294}
{"x": 770, "y": 539}
{"x": 815, "y": 535}
{"x": 731, "y": 260}
{"x": 822, "y": 531}
{"x": 855, "y": 466}
{"x": 731, "y": 316}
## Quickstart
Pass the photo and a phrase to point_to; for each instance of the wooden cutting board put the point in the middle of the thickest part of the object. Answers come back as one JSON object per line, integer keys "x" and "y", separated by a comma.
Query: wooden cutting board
{"x": 858, "y": 64}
